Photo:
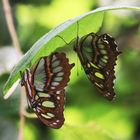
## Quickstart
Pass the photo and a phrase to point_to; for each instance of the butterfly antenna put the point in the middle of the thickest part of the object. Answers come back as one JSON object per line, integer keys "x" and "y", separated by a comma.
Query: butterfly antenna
{"x": 63, "y": 39}
{"x": 77, "y": 29}
{"x": 77, "y": 66}
{"x": 77, "y": 44}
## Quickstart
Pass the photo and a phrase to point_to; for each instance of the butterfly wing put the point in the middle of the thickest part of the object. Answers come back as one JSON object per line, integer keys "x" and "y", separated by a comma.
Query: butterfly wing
{"x": 51, "y": 73}
{"x": 98, "y": 55}
{"x": 48, "y": 106}
{"x": 50, "y": 109}
{"x": 48, "y": 103}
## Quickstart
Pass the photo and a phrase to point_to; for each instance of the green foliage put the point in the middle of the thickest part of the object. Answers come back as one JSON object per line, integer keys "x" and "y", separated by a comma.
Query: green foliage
{"x": 50, "y": 42}
{"x": 87, "y": 115}
{"x": 68, "y": 30}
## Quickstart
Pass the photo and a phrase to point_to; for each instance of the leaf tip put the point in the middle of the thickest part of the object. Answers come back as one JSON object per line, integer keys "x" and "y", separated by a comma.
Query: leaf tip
{"x": 11, "y": 90}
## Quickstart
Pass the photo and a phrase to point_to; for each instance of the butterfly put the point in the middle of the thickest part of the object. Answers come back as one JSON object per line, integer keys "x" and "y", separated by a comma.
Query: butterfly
{"x": 44, "y": 84}
{"x": 98, "y": 55}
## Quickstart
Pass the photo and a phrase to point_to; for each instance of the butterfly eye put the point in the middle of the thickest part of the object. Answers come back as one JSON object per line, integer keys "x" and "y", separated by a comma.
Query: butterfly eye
{"x": 87, "y": 71}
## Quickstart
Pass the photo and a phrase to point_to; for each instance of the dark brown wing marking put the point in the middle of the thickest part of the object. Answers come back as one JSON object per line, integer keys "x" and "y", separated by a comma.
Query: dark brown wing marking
{"x": 98, "y": 55}
{"x": 47, "y": 102}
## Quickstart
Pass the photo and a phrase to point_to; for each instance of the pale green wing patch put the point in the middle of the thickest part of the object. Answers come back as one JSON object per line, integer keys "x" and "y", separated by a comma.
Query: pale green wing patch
{"x": 40, "y": 75}
{"x": 48, "y": 104}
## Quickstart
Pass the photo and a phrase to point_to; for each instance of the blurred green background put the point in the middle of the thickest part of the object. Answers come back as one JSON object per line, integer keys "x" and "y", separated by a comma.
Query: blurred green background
{"x": 88, "y": 116}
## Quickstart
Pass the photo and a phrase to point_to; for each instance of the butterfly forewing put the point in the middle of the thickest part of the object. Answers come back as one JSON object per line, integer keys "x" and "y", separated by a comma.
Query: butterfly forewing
{"x": 98, "y": 55}
{"x": 60, "y": 69}
{"x": 41, "y": 73}
{"x": 52, "y": 72}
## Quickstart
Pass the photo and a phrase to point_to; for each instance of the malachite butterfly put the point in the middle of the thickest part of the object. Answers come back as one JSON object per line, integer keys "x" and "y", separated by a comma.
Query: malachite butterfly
{"x": 44, "y": 84}
{"x": 98, "y": 55}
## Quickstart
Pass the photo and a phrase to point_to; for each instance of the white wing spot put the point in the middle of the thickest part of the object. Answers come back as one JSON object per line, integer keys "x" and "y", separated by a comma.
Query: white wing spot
{"x": 58, "y": 92}
{"x": 52, "y": 87}
{"x": 55, "y": 84}
{"x": 108, "y": 94}
{"x": 48, "y": 104}
{"x": 36, "y": 97}
{"x": 99, "y": 85}
{"x": 57, "y": 69}
{"x": 55, "y": 63}
{"x": 41, "y": 94}
{"x": 57, "y": 121}
{"x": 46, "y": 116}
{"x": 54, "y": 58}
{"x": 60, "y": 74}
{"x": 50, "y": 115}
{"x": 58, "y": 79}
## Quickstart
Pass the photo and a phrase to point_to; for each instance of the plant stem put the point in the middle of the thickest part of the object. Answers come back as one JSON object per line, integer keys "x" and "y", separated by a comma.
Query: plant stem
{"x": 10, "y": 25}
{"x": 16, "y": 45}
{"x": 22, "y": 118}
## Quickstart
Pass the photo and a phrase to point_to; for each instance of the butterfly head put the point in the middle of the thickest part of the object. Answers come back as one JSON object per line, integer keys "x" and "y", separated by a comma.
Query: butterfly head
{"x": 24, "y": 76}
{"x": 87, "y": 71}
{"x": 22, "y": 82}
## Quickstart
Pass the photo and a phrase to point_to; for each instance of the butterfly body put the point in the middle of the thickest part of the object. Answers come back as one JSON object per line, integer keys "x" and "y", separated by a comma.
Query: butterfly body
{"x": 44, "y": 84}
{"x": 98, "y": 55}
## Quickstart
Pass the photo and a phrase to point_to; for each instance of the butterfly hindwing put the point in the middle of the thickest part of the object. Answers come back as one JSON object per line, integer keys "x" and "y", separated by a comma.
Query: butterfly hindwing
{"x": 51, "y": 109}
{"x": 98, "y": 55}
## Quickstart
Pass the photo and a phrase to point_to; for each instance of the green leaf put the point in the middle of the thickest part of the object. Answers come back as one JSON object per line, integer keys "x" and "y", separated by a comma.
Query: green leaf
{"x": 88, "y": 22}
